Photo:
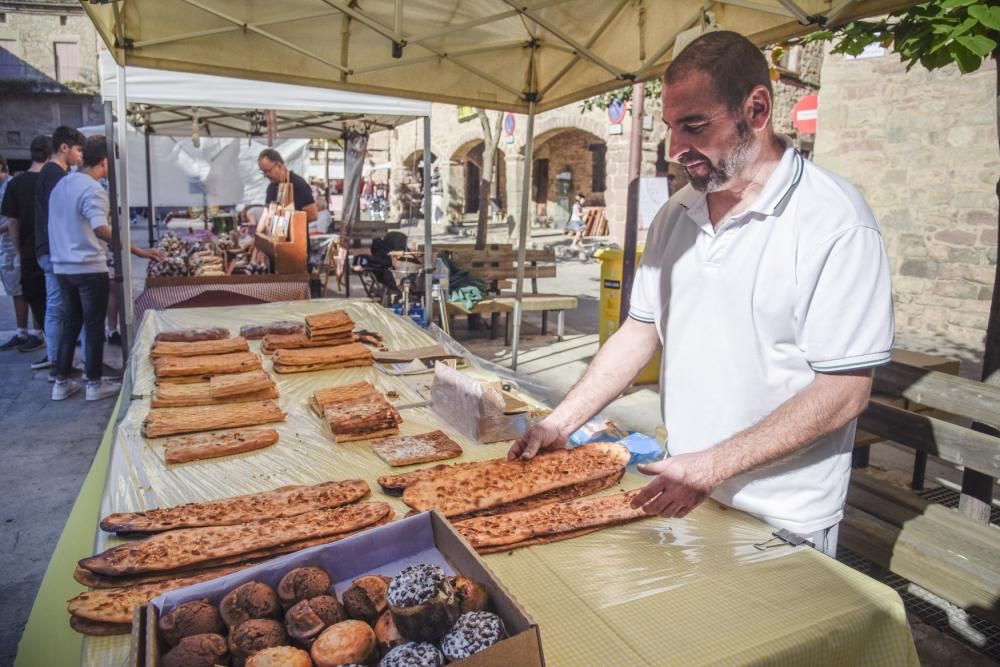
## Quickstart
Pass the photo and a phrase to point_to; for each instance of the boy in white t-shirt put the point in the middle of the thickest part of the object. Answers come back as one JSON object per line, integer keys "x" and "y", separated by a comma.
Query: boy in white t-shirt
{"x": 767, "y": 284}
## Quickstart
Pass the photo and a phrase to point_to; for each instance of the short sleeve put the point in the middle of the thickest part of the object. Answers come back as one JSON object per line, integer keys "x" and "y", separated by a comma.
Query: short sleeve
{"x": 644, "y": 301}
{"x": 844, "y": 302}
{"x": 302, "y": 194}
{"x": 8, "y": 204}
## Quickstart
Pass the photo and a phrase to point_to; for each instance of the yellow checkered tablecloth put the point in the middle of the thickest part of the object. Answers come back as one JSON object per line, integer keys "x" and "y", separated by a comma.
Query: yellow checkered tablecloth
{"x": 659, "y": 592}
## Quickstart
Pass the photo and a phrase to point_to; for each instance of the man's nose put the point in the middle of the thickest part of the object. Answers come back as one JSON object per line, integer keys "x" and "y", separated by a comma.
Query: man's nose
{"x": 677, "y": 145}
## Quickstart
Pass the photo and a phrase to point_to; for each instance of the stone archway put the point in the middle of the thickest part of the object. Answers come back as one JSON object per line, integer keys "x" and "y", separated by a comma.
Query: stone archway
{"x": 567, "y": 161}
{"x": 465, "y": 178}
{"x": 410, "y": 184}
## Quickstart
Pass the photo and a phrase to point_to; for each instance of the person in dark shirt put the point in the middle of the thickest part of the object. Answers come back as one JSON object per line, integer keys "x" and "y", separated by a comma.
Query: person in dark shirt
{"x": 18, "y": 207}
{"x": 273, "y": 167}
{"x": 67, "y": 151}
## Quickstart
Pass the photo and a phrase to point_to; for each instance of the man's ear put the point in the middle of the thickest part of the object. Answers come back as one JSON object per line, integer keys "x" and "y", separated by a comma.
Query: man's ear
{"x": 757, "y": 108}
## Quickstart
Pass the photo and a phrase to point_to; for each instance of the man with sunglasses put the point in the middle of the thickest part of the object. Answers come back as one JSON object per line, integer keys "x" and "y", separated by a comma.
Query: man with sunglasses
{"x": 767, "y": 284}
{"x": 273, "y": 167}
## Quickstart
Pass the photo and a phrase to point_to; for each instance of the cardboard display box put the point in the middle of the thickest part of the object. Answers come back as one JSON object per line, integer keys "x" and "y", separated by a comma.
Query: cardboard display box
{"x": 423, "y": 538}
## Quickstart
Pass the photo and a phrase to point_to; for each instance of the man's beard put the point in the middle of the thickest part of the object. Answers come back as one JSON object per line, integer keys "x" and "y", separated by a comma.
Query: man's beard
{"x": 718, "y": 176}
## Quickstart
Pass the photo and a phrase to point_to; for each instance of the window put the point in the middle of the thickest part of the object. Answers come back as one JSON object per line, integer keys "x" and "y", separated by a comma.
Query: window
{"x": 13, "y": 138}
{"x": 3, "y": 17}
{"x": 67, "y": 61}
{"x": 62, "y": 20}
{"x": 10, "y": 64}
{"x": 70, "y": 113}
{"x": 598, "y": 173}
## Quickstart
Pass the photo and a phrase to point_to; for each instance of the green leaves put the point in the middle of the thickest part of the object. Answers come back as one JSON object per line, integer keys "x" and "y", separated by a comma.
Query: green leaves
{"x": 988, "y": 16}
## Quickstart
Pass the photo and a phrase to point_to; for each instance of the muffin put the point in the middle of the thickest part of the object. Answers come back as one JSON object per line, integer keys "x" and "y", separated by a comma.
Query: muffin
{"x": 254, "y": 635}
{"x": 365, "y": 599}
{"x": 386, "y": 633}
{"x": 280, "y": 656}
{"x": 249, "y": 601}
{"x": 198, "y": 617}
{"x": 196, "y": 651}
{"x": 422, "y": 602}
{"x": 307, "y": 618}
{"x": 302, "y": 583}
{"x": 413, "y": 654}
{"x": 473, "y": 632}
{"x": 471, "y": 594}
{"x": 347, "y": 642}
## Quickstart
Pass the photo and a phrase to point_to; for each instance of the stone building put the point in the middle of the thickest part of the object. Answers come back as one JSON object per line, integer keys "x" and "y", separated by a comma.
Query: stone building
{"x": 48, "y": 73}
{"x": 922, "y": 147}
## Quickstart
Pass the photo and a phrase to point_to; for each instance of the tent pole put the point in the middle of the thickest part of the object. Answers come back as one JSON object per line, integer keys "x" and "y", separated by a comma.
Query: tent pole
{"x": 428, "y": 255}
{"x": 149, "y": 194}
{"x": 529, "y": 145}
{"x": 124, "y": 227}
{"x": 632, "y": 206}
{"x": 116, "y": 245}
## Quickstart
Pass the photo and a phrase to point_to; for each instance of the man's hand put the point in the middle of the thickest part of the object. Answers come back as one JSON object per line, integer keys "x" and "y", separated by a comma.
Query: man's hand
{"x": 154, "y": 254}
{"x": 682, "y": 482}
{"x": 546, "y": 434}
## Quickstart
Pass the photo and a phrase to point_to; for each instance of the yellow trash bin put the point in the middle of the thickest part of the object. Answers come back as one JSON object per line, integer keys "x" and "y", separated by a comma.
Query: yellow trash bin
{"x": 611, "y": 302}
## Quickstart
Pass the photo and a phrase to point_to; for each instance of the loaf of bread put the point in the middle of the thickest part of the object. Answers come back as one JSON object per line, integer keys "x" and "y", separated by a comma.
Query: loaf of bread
{"x": 206, "y": 365}
{"x": 191, "y": 394}
{"x": 199, "y": 348}
{"x": 199, "y": 447}
{"x": 404, "y": 450}
{"x": 257, "y": 331}
{"x": 240, "y": 384}
{"x": 192, "y": 335}
{"x": 161, "y": 422}
{"x": 319, "y": 358}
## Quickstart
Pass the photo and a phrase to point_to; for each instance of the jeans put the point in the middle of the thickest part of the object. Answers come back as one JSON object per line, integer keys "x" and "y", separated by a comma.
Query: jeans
{"x": 54, "y": 310}
{"x": 85, "y": 298}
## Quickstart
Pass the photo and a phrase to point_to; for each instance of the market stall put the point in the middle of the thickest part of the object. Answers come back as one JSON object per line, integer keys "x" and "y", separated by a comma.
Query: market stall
{"x": 653, "y": 591}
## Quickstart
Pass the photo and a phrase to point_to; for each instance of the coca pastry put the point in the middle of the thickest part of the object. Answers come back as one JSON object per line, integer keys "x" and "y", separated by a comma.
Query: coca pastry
{"x": 474, "y": 631}
{"x": 307, "y": 618}
{"x": 249, "y": 601}
{"x": 248, "y": 638}
{"x": 386, "y": 633}
{"x": 280, "y": 656}
{"x": 198, "y": 617}
{"x": 422, "y": 601}
{"x": 471, "y": 595}
{"x": 196, "y": 651}
{"x": 413, "y": 654}
{"x": 302, "y": 583}
{"x": 365, "y": 600}
{"x": 344, "y": 643}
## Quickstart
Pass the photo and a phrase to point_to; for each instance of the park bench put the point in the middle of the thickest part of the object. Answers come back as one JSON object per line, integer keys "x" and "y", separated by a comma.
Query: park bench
{"x": 496, "y": 266}
{"x": 952, "y": 553}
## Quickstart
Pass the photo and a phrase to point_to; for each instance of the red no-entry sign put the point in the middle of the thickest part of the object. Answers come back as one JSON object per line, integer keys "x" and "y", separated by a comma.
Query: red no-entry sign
{"x": 804, "y": 114}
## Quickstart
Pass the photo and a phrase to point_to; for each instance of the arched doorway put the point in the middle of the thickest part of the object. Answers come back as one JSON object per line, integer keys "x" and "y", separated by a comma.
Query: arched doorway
{"x": 467, "y": 175}
{"x": 410, "y": 184}
{"x": 567, "y": 161}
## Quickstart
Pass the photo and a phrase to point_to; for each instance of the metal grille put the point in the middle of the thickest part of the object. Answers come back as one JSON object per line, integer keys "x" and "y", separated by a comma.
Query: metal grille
{"x": 949, "y": 498}
{"x": 976, "y": 633}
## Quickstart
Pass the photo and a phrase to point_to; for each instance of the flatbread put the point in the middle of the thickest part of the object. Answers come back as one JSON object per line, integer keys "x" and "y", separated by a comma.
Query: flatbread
{"x": 189, "y": 546}
{"x": 256, "y": 331}
{"x": 199, "y": 348}
{"x": 191, "y": 335}
{"x": 206, "y": 365}
{"x": 356, "y": 411}
{"x": 561, "y": 494}
{"x": 162, "y": 422}
{"x": 189, "y": 395}
{"x": 354, "y": 354}
{"x": 199, "y": 447}
{"x": 503, "y": 530}
{"x": 97, "y": 629}
{"x": 282, "y": 502}
{"x": 311, "y": 368}
{"x": 239, "y": 384}
{"x": 395, "y": 484}
{"x": 407, "y": 450}
{"x": 334, "y": 319}
{"x": 93, "y": 580}
{"x": 499, "y": 481}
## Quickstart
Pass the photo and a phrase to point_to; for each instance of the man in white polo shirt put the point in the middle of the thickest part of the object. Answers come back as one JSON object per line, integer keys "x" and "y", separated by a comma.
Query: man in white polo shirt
{"x": 767, "y": 284}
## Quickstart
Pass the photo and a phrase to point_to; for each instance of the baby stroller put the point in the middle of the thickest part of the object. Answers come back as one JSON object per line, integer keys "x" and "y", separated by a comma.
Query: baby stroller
{"x": 375, "y": 270}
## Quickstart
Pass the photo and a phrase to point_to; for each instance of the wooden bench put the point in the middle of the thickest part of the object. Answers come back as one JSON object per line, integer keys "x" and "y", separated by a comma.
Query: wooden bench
{"x": 496, "y": 266}
{"x": 952, "y": 553}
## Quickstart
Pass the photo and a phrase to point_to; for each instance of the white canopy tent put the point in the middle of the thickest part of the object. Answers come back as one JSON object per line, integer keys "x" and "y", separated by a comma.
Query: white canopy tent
{"x": 514, "y": 55}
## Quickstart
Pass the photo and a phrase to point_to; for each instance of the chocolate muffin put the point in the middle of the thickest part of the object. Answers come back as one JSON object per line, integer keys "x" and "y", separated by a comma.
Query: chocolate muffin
{"x": 473, "y": 632}
{"x": 196, "y": 651}
{"x": 365, "y": 599}
{"x": 198, "y": 617}
{"x": 249, "y": 601}
{"x": 422, "y": 602}
{"x": 347, "y": 642}
{"x": 254, "y": 635}
{"x": 471, "y": 594}
{"x": 302, "y": 583}
{"x": 413, "y": 654}
{"x": 307, "y": 618}
{"x": 280, "y": 656}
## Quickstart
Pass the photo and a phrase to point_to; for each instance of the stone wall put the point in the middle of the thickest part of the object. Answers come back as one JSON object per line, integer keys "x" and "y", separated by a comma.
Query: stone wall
{"x": 32, "y": 99}
{"x": 922, "y": 147}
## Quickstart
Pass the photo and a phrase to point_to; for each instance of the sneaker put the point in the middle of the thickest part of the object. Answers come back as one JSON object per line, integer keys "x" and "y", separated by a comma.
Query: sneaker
{"x": 63, "y": 389}
{"x": 15, "y": 341}
{"x": 115, "y": 338}
{"x": 31, "y": 344}
{"x": 41, "y": 364}
{"x": 102, "y": 389}
{"x": 74, "y": 373}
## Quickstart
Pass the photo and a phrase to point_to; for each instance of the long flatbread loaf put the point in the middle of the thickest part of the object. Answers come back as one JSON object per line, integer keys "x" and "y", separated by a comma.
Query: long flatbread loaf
{"x": 394, "y": 485}
{"x": 240, "y": 384}
{"x": 503, "y": 530}
{"x": 541, "y": 539}
{"x": 294, "y": 341}
{"x": 282, "y": 502}
{"x": 256, "y": 331}
{"x": 207, "y": 365}
{"x": 499, "y": 481}
{"x": 161, "y": 422}
{"x": 191, "y": 335}
{"x": 407, "y": 450}
{"x": 188, "y": 546}
{"x": 334, "y": 319}
{"x": 559, "y": 495}
{"x": 199, "y": 348}
{"x": 199, "y": 447}
{"x": 93, "y": 580}
{"x": 311, "y": 368}
{"x": 189, "y": 395}
{"x": 97, "y": 629}
{"x": 354, "y": 354}
{"x": 356, "y": 412}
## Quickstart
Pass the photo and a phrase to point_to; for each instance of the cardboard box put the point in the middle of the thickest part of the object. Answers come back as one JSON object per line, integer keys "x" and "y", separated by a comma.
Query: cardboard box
{"x": 477, "y": 409}
{"x": 423, "y": 538}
